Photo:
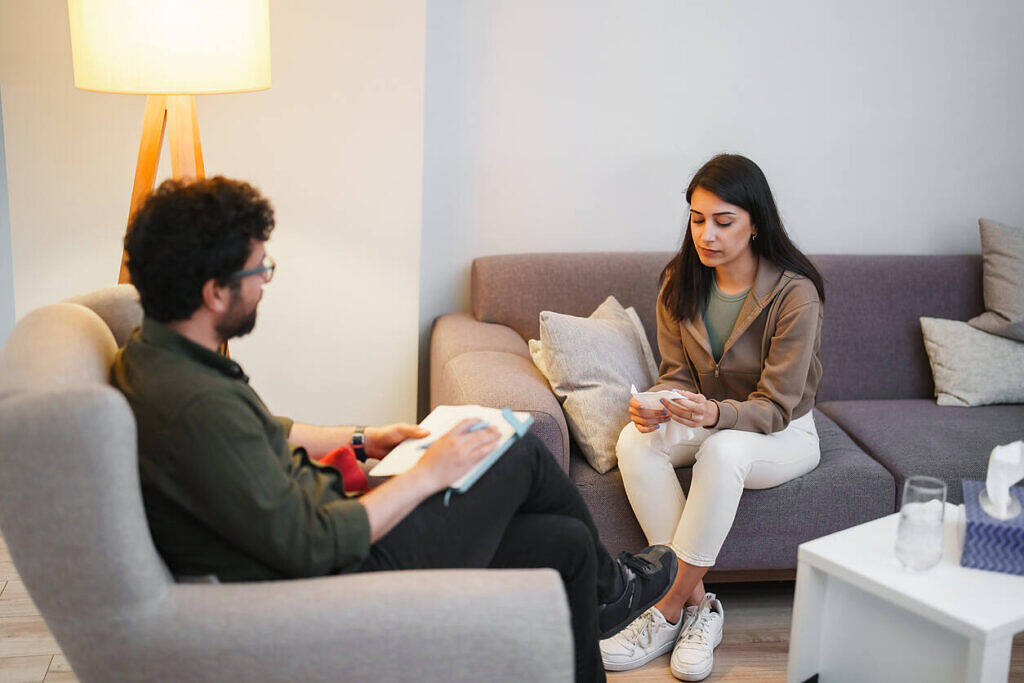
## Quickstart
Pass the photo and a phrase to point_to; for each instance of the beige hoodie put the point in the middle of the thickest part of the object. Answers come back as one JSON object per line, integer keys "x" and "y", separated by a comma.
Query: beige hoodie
{"x": 769, "y": 371}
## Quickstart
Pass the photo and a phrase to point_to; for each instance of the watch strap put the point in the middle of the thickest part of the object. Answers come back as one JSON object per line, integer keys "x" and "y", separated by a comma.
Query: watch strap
{"x": 359, "y": 442}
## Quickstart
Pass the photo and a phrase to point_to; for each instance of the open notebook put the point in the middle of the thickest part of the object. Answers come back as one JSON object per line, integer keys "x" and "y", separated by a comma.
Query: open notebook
{"x": 440, "y": 421}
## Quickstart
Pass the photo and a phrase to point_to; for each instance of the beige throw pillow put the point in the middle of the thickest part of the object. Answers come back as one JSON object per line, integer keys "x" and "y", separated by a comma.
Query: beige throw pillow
{"x": 590, "y": 363}
{"x": 971, "y": 367}
{"x": 1002, "y": 253}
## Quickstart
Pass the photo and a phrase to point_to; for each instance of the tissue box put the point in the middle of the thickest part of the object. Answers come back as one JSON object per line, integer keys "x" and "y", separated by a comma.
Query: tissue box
{"x": 989, "y": 543}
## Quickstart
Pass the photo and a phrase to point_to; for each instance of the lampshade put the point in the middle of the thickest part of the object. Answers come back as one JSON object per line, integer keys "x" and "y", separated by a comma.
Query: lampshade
{"x": 170, "y": 47}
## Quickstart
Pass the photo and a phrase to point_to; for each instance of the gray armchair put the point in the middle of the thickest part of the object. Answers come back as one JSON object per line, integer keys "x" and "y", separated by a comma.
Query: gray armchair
{"x": 71, "y": 513}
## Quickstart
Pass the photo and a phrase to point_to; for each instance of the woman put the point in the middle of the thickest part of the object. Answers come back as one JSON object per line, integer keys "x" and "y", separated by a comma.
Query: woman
{"x": 739, "y": 326}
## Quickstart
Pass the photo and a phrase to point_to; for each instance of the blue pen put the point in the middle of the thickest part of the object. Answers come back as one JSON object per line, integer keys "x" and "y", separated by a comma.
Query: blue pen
{"x": 472, "y": 428}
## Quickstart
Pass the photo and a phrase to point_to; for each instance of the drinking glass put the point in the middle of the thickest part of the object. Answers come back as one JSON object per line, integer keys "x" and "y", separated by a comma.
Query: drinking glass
{"x": 920, "y": 533}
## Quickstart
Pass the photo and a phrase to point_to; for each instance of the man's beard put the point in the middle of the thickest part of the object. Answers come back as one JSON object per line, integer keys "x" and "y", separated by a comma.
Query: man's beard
{"x": 237, "y": 322}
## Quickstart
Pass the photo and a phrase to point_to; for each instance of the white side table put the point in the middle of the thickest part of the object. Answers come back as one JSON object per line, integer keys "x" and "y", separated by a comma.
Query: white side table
{"x": 859, "y": 616}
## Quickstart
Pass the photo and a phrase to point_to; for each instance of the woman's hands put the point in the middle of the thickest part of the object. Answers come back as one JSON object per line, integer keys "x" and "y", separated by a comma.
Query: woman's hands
{"x": 645, "y": 419}
{"x": 692, "y": 410}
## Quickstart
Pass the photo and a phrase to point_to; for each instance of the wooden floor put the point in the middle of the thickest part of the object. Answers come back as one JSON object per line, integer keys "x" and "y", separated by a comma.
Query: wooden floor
{"x": 756, "y": 640}
{"x": 27, "y": 650}
{"x": 754, "y": 648}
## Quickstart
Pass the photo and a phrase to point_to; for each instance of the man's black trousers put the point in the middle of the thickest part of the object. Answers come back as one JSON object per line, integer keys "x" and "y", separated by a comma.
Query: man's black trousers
{"x": 524, "y": 512}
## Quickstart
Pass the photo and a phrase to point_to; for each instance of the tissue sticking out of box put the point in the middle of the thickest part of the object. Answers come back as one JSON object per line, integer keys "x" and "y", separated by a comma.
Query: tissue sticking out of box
{"x": 1005, "y": 468}
{"x": 674, "y": 432}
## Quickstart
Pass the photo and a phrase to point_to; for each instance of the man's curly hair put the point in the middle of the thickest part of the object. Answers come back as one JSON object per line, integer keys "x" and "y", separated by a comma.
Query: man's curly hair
{"x": 187, "y": 233}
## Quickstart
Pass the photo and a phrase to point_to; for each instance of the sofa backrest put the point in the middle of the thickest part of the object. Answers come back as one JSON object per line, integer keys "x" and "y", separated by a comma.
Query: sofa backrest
{"x": 871, "y": 345}
{"x": 871, "y": 337}
{"x": 70, "y": 502}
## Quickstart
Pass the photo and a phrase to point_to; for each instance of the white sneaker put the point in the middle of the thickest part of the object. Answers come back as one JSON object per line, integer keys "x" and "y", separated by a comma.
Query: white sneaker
{"x": 648, "y": 636}
{"x": 694, "y": 654}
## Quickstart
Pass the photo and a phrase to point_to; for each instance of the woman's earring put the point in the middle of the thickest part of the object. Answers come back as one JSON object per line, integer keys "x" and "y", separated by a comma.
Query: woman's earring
{"x": 753, "y": 236}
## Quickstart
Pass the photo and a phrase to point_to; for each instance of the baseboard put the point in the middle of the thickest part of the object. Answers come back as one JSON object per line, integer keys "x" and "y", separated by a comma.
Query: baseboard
{"x": 737, "y": 575}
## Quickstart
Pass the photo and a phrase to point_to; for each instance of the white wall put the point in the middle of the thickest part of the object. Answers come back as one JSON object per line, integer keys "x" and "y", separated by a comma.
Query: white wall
{"x": 884, "y": 126}
{"x": 6, "y": 274}
{"x": 336, "y": 144}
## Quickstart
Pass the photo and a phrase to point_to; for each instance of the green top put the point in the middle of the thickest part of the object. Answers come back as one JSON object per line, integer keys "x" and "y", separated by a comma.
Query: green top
{"x": 720, "y": 315}
{"x": 224, "y": 492}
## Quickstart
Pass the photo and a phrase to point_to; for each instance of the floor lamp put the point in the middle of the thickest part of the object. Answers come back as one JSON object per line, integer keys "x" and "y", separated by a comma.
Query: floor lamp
{"x": 169, "y": 51}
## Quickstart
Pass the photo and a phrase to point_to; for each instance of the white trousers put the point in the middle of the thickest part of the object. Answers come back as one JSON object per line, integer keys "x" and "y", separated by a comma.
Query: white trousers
{"x": 724, "y": 463}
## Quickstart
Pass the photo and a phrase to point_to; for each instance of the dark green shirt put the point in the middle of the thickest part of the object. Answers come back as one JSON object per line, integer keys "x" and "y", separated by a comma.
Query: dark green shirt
{"x": 224, "y": 492}
{"x": 720, "y": 314}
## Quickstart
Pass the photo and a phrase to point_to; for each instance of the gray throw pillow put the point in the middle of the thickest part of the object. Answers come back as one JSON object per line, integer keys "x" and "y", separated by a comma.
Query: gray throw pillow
{"x": 971, "y": 367}
{"x": 590, "y": 364}
{"x": 1002, "y": 253}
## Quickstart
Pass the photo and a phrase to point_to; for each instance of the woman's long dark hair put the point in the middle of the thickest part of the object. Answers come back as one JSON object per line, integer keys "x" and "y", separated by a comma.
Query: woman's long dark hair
{"x": 739, "y": 181}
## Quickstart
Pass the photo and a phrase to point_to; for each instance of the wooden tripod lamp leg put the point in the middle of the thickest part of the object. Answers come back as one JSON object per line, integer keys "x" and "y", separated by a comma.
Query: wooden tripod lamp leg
{"x": 177, "y": 115}
{"x": 145, "y": 168}
{"x": 183, "y": 129}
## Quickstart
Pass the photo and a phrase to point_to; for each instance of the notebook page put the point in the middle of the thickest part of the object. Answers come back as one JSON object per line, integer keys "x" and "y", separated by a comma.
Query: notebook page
{"x": 439, "y": 422}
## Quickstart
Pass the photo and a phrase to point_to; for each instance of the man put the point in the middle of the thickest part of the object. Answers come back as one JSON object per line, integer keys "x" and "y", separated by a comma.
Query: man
{"x": 233, "y": 491}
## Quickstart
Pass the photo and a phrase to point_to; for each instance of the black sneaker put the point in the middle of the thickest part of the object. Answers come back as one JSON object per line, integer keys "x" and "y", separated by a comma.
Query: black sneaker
{"x": 648, "y": 575}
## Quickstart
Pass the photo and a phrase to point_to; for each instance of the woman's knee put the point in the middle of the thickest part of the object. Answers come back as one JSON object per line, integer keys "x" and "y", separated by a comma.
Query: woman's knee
{"x": 634, "y": 448}
{"x": 724, "y": 454}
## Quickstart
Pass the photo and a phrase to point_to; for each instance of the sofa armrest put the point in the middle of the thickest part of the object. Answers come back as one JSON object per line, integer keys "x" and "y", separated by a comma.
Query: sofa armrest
{"x": 458, "y": 333}
{"x": 450, "y": 625}
{"x": 489, "y": 365}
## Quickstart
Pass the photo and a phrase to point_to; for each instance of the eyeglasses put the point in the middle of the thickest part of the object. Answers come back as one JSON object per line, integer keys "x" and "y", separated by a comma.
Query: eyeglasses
{"x": 266, "y": 269}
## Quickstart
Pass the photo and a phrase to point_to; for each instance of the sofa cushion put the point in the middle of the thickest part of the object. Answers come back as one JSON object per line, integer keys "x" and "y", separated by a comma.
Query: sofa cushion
{"x": 591, "y": 364}
{"x": 1002, "y": 249}
{"x": 971, "y": 367}
{"x": 847, "y": 488}
{"x": 920, "y": 437}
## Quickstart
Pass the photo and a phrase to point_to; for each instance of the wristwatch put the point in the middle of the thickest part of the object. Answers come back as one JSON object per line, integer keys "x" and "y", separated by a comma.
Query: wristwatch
{"x": 359, "y": 443}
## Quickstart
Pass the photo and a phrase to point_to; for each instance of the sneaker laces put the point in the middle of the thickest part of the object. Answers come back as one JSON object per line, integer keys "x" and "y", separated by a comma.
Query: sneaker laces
{"x": 642, "y": 627}
{"x": 697, "y": 631}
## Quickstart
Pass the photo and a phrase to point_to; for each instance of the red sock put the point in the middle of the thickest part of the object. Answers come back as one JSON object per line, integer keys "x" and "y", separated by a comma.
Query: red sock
{"x": 343, "y": 459}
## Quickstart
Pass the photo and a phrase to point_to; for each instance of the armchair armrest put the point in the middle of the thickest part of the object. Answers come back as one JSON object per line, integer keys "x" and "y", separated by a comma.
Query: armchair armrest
{"x": 489, "y": 365}
{"x": 437, "y": 625}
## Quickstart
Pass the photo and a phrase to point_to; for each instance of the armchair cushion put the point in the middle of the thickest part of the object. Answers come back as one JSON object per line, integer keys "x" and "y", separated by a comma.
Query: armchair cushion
{"x": 55, "y": 347}
{"x": 437, "y": 625}
{"x": 118, "y": 306}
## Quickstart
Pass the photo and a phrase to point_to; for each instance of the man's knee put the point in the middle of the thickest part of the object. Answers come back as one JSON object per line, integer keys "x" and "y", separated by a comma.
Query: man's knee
{"x": 534, "y": 442}
{"x": 573, "y": 544}
{"x": 527, "y": 447}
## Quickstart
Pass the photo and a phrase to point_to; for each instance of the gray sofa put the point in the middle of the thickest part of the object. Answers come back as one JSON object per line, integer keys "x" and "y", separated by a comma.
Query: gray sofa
{"x": 875, "y": 415}
{"x": 71, "y": 514}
